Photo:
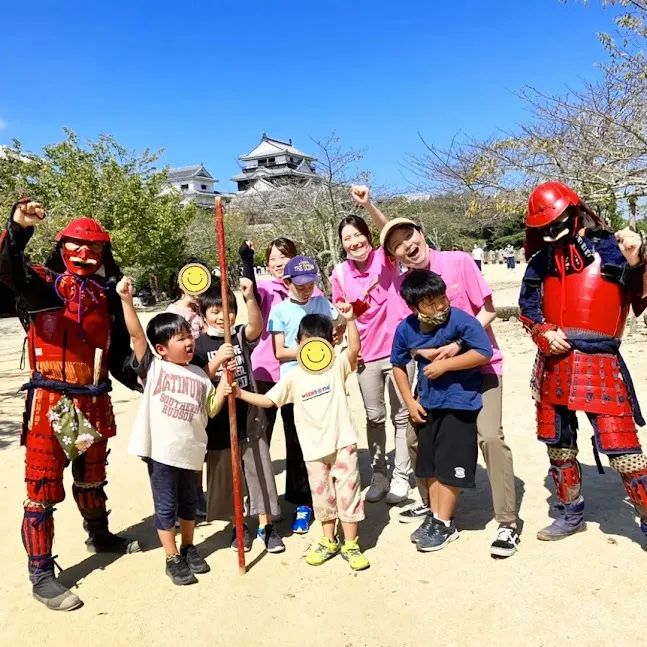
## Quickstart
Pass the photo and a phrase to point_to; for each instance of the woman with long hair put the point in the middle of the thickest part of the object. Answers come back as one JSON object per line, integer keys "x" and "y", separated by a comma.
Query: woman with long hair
{"x": 366, "y": 279}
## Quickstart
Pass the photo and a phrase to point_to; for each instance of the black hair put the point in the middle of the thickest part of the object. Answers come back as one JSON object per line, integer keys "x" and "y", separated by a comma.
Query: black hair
{"x": 315, "y": 326}
{"x": 213, "y": 298}
{"x": 164, "y": 326}
{"x": 420, "y": 286}
{"x": 284, "y": 245}
{"x": 359, "y": 223}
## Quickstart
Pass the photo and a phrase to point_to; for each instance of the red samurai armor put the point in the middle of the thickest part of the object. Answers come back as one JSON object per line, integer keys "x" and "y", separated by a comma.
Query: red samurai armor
{"x": 577, "y": 289}
{"x": 70, "y": 310}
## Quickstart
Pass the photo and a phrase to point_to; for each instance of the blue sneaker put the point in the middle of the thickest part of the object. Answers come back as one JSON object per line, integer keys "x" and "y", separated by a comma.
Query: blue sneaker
{"x": 303, "y": 519}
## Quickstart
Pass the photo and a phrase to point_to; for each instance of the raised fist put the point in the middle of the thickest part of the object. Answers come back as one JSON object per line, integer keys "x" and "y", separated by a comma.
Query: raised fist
{"x": 125, "y": 289}
{"x": 360, "y": 194}
{"x": 630, "y": 243}
{"x": 247, "y": 288}
{"x": 29, "y": 214}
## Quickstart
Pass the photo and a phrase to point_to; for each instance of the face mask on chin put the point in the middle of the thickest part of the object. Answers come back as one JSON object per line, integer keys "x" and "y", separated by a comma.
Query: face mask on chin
{"x": 212, "y": 331}
{"x": 358, "y": 258}
{"x": 437, "y": 320}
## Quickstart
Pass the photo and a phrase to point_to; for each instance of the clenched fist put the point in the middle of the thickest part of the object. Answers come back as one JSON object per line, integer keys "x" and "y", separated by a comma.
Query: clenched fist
{"x": 630, "y": 243}
{"x": 126, "y": 289}
{"x": 361, "y": 194}
{"x": 29, "y": 214}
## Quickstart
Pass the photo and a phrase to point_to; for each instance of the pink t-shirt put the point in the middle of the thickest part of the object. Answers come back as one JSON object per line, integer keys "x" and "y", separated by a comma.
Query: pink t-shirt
{"x": 194, "y": 319}
{"x": 264, "y": 363}
{"x": 466, "y": 289}
{"x": 377, "y": 325}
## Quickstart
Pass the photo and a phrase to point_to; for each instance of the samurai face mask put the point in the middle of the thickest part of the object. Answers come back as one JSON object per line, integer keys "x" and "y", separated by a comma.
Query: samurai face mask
{"x": 82, "y": 257}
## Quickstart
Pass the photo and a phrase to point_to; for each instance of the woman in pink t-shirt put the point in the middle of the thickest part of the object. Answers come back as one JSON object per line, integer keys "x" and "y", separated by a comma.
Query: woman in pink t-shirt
{"x": 271, "y": 292}
{"x": 366, "y": 279}
{"x": 403, "y": 240}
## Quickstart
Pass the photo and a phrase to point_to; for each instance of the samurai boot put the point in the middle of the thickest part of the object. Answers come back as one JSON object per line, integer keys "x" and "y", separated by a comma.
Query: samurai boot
{"x": 38, "y": 536}
{"x": 569, "y": 523}
{"x": 50, "y": 592}
{"x": 91, "y": 500}
{"x": 101, "y": 540}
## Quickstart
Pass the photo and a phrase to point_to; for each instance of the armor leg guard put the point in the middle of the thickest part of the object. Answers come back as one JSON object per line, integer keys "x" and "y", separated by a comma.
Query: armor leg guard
{"x": 37, "y": 538}
{"x": 633, "y": 472}
{"x": 567, "y": 477}
{"x": 566, "y": 473}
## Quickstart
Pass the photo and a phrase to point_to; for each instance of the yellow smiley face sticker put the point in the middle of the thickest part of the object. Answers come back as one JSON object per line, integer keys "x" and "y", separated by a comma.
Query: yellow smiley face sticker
{"x": 194, "y": 279}
{"x": 315, "y": 355}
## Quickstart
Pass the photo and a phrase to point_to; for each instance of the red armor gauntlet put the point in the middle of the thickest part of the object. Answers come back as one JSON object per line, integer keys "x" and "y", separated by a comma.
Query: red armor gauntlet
{"x": 537, "y": 333}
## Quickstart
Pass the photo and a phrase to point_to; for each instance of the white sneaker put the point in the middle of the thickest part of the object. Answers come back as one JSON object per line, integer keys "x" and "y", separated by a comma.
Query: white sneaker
{"x": 378, "y": 488}
{"x": 398, "y": 493}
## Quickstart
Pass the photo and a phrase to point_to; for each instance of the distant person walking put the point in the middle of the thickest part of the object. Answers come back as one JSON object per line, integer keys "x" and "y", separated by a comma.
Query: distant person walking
{"x": 477, "y": 255}
{"x": 509, "y": 256}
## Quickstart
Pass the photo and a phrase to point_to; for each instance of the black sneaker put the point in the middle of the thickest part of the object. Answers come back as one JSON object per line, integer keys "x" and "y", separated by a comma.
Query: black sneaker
{"x": 193, "y": 559}
{"x": 270, "y": 539}
{"x": 247, "y": 539}
{"x": 437, "y": 536}
{"x": 415, "y": 513}
{"x": 178, "y": 570}
{"x": 506, "y": 542}
{"x": 416, "y": 535}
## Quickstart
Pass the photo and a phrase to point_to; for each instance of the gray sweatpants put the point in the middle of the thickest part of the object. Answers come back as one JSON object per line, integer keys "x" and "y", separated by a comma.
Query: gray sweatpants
{"x": 497, "y": 455}
{"x": 373, "y": 377}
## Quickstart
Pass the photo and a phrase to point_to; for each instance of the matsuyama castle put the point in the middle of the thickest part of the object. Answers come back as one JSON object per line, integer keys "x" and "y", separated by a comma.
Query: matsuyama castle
{"x": 273, "y": 163}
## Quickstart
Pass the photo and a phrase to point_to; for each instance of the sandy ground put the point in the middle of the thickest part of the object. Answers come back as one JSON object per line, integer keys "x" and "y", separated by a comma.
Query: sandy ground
{"x": 584, "y": 591}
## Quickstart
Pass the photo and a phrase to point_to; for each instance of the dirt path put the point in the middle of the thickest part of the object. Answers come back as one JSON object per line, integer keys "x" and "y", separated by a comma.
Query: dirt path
{"x": 583, "y": 591}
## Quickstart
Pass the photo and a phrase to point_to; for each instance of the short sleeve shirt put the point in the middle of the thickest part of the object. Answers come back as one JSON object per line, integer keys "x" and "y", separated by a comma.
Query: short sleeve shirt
{"x": 467, "y": 290}
{"x": 322, "y": 415}
{"x": 287, "y": 316}
{"x": 454, "y": 389}
{"x": 170, "y": 425}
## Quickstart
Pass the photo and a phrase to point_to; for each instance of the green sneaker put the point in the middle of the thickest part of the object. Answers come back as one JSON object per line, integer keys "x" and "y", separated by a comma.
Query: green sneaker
{"x": 322, "y": 552}
{"x": 351, "y": 552}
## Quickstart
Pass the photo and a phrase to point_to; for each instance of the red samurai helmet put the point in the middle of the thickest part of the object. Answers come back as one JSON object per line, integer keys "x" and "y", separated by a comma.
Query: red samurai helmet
{"x": 548, "y": 202}
{"x": 82, "y": 242}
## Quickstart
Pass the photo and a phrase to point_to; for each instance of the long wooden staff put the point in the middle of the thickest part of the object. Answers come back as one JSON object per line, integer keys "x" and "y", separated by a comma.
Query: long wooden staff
{"x": 233, "y": 431}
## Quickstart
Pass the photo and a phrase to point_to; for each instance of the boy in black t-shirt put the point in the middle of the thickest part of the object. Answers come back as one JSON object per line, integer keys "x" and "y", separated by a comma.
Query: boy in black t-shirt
{"x": 251, "y": 421}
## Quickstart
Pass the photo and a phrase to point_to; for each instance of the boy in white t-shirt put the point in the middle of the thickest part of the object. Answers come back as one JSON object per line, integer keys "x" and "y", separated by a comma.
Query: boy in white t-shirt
{"x": 327, "y": 434}
{"x": 169, "y": 432}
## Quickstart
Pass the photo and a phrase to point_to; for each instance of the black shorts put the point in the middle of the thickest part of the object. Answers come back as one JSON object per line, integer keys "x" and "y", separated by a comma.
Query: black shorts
{"x": 447, "y": 448}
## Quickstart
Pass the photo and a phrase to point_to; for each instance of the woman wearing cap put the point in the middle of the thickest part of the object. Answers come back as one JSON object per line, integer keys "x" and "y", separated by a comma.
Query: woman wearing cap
{"x": 366, "y": 279}
{"x": 269, "y": 293}
{"x": 404, "y": 241}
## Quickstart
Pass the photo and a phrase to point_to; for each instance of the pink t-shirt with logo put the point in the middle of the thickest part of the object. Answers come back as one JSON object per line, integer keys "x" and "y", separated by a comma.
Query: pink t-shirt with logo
{"x": 264, "y": 363}
{"x": 377, "y": 325}
{"x": 466, "y": 289}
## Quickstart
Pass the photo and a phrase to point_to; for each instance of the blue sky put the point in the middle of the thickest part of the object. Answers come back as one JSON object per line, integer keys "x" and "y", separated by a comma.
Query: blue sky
{"x": 203, "y": 80}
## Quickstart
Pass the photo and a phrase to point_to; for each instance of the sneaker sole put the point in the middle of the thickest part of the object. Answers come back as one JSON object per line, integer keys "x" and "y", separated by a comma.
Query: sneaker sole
{"x": 433, "y": 549}
{"x": 373, "y": 499}
{"x": 502, "y": 553}
{"x": 301, "y": 531}
{"x": 184, "y": 582}
{"x": 541, "y": 537}
{"x": 394, "y": 500}
{"x": 420, "y": 518}
{"x": 201, "y": 571}
{"x": 355, "y": 568}
{"x": 324, "y": 561}
{"x": 246, "y": 548}
{"x": 274, "y": 551}
{"x": 130, "y": 550}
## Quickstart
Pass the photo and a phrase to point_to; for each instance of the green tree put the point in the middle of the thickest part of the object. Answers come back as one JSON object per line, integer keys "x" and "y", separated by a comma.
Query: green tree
{"x": 121, "y": 189}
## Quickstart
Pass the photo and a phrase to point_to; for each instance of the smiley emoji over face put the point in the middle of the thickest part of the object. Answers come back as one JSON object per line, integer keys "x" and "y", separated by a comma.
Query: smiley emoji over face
{"x": 315, "y": 355}
{"x": 194, "y": 279}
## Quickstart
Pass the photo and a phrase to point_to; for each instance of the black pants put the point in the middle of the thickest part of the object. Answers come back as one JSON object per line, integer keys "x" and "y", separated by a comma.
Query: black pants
{"x": 297, "y": 488}
{"x": 174, "y": 492}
